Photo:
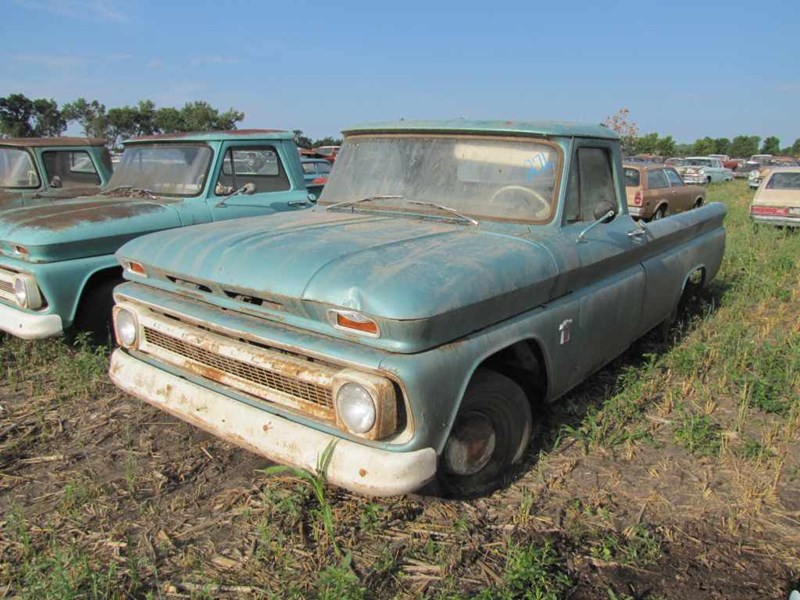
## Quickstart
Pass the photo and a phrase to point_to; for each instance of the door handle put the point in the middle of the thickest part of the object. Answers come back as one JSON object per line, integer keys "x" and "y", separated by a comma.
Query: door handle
{"x": 297, "y": 202}
{"x": 637, "y": 233}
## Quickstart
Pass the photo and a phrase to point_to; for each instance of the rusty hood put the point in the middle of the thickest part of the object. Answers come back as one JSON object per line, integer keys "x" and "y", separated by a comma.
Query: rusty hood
{"x": 10, "y": 198}
{"x": 83, "y": 227}
{"x": 443, "y": 279}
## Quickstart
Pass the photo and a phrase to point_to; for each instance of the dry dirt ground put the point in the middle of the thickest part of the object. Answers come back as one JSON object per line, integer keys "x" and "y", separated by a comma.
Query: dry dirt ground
{"x": 647, "y": 483}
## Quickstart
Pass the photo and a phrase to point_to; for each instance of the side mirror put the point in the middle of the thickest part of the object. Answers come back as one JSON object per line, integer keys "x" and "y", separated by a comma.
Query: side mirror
{"x": 604, "y": 212}
{"x": 55, "y": 182}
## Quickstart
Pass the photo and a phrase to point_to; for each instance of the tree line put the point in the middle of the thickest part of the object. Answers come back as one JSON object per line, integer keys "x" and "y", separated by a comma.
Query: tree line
{"x": 741, "y": 146}
{"x": 21, "y": 116}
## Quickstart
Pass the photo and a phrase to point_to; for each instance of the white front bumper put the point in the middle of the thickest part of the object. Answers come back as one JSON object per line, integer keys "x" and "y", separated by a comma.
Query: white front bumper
{"x": 356, "y": 467}
{"x": 29, "y": 326}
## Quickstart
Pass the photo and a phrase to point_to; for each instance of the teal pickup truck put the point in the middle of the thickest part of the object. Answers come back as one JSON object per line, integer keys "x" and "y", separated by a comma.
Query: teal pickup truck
{"x": 42, "y": 170}
{"x": 453, "y": 275}
{"x": 57, "y": 265}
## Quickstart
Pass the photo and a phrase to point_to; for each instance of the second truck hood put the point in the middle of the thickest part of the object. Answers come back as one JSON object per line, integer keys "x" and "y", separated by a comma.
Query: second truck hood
{"x": 385, "y": 266}
{"x": 83, "y": 227}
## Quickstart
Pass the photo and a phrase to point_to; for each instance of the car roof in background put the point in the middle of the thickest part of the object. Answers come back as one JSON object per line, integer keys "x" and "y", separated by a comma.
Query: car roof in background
{"x": 214, "y": 136}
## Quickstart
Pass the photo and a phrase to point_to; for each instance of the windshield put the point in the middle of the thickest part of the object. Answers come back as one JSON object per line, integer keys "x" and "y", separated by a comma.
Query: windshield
{"x": 784, "y": 181}
{"x": 697, "y": 162}
{"x": 632, "y": 178}
{"x": 17, "y": 169}
{"x": 491, "y": 178}
{"x": 169, "y": 170}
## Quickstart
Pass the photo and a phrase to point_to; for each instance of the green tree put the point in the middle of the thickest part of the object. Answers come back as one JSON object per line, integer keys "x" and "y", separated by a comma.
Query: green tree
{"x": 665, "y": 146}
{"x": 131, "y": 121}
{"x": 91, "y": 116}
{"x": 722, "y": 146}
{"x": 201, "y": 116}
{"x": 646, "y": 144}
{"x": 772, "y": 145}
{"x": 301, "y": 140}
{"x": 22, "y": 117}
{"x": 704, "y": 146}
{"x": 744, "y": 146}
{"x": 796, "y": 148}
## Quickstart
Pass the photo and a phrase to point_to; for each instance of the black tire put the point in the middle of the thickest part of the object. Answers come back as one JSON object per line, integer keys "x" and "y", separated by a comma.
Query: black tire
{"x": 698, "y": 203}
{"x": 94, "y": 312}
{"x": 496, "y": 408}
{"x": 659, "y": 214}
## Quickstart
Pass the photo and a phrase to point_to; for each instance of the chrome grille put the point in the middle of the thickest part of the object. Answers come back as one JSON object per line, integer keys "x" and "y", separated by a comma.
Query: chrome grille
{"x": 319, "y": 397}
{"x": 7, "y": 284}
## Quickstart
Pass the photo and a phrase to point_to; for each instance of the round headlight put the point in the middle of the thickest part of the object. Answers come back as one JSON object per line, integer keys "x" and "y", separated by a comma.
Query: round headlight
{"x": 126, "y": 327}
{"x": 20, "y": 292}
{"x": 27, "y": 292}
{"x": 355, "y": 407}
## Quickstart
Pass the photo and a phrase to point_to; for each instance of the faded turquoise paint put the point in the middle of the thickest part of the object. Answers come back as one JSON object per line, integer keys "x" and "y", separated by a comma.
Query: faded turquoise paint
{"x": 446, "y": 296}
{"x": 74, "y": 240}
{"x": 44, "y": 194}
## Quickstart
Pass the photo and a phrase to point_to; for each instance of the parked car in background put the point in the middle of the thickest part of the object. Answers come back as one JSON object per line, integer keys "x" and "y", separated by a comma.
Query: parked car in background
{"x": 356, "y": 330}
{"x": 57, "y": 265}
{"x": 655, "y": 191}
{"x": 42, "y": 170}
{"x": 327, "y": 152}
{"x": 315, "y": 173}
{"x": 703, "y": 169}
{"x": 777, "y": 200}
{"x": 758, "y": 172}
{"x": 726, "y": 160}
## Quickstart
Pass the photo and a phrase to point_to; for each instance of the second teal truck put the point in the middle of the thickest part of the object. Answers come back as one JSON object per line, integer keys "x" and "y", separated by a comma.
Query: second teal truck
{"x": 57, "y": 265}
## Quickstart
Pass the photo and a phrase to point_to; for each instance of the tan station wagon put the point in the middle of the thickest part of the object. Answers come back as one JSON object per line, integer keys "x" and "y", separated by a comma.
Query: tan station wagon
{"x": 655, "y": 191}
{"x": 777, "y": 201}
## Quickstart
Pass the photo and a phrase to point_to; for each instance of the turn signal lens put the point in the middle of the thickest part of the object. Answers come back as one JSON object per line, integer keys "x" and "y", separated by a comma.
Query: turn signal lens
{"x": 20, "y": 251}
{"x": 135, "y": 268}
{"x": 353, "y": 321}
{"x": 637, "y": 199}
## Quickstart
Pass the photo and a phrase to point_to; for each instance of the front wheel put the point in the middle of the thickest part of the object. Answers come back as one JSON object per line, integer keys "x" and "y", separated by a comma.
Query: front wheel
{"x": 490, "y": 433}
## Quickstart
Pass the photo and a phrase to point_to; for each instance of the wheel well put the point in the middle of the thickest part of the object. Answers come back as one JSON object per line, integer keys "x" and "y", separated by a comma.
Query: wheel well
{"x": 700, "y": 200}
{"x": 96, "y": 279}
{"x": 524, "y": 363}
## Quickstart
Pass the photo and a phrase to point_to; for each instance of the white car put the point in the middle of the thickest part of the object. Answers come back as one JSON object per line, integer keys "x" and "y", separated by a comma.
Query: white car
{"x": 703, "y": 169}
{"x": 777, "y": 200}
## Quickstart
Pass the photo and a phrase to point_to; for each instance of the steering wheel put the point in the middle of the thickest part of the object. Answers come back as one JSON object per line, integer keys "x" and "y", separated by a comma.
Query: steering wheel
{"x": 541, "y": 200}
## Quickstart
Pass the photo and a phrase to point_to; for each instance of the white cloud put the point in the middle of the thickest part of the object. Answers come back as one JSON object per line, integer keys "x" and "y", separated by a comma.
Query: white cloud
{"x": 86, "y": 10}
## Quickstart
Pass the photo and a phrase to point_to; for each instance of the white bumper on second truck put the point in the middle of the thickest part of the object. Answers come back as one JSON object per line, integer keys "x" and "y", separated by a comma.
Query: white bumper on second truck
{"x": 359, "y": 468}
{"x": 29, "y": 326}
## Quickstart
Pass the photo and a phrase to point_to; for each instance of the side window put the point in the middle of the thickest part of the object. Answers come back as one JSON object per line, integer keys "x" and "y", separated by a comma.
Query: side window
{"x": 674, "y": 179}
{"x": 591, "y": 183}
{"x": 656, "y": 180}
{"x": 259, "y": 165}
{"x": 73, "y": 168}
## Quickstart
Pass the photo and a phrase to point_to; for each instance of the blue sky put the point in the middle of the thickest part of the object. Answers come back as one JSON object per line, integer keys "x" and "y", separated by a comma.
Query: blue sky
{"x": 689, "y": 69}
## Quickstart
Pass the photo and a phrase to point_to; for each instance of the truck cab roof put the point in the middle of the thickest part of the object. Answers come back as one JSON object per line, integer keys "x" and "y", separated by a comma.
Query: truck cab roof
{"x": 488, "y": 127}
{"x": 214, "y": 136}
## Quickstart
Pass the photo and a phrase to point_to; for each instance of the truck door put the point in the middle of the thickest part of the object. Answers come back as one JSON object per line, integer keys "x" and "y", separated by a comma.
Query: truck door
{"x": 608, "y": 286}
{"x": 262, "y": 166}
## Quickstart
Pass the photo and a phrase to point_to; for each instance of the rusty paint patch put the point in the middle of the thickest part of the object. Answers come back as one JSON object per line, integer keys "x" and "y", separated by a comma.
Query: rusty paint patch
{"x": 207, "y": 134}
{"x": 58, "y": 217}
{"x": 47, "y": 142}
{"x": 362, "y": 472}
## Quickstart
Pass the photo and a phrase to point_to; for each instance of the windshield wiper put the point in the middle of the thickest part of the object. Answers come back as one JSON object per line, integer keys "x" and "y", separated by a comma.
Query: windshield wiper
{"x": 346, "y": 203}
{"x": 446, "y": 209}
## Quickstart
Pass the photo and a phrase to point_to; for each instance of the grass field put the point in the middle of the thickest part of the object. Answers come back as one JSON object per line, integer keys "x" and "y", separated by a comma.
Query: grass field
{"x": 672, "y": 473}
